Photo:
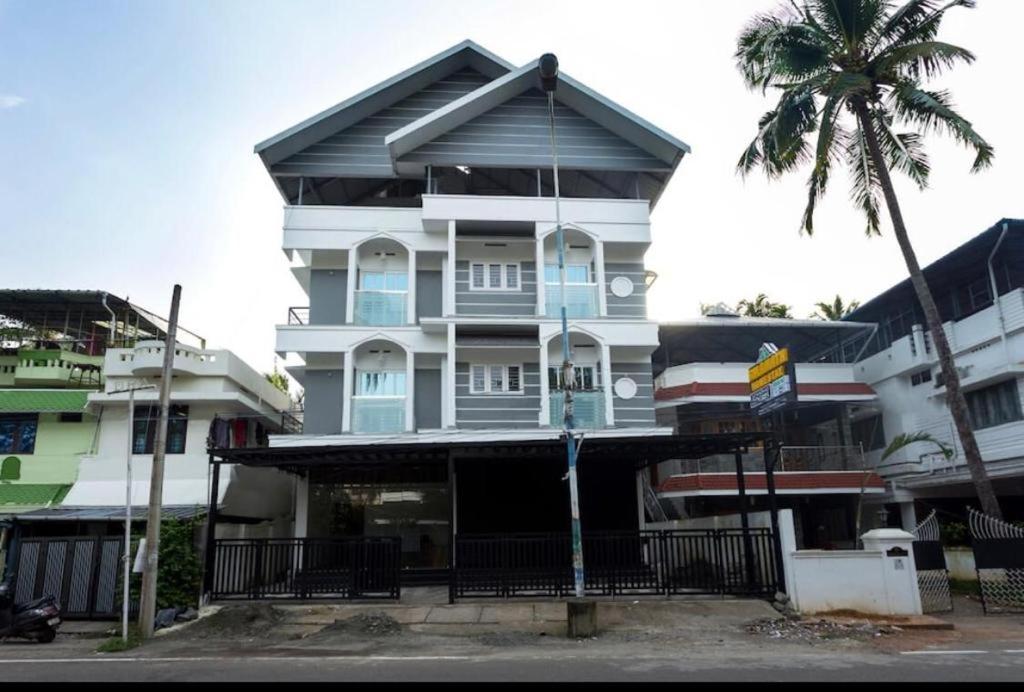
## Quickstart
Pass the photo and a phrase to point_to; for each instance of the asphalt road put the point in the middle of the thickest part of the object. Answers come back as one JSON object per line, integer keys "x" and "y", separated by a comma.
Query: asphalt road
{"x": 978, "y": 665}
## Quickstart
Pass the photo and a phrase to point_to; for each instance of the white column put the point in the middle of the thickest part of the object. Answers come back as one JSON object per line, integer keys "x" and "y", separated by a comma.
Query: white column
{"x": 350, "y": 294}
{"x": 446, "y": 277}
{"x": 602, "y": 286}
{"x": 410, "y": 309}
{"x": 410, "y": 391}
{"x": 449, "y": 385}
{"x": 449, "y": 287}
{"x": 908, "y": 518}
{"x": 301, "y": 508}
{"x": 606, "y": 383}
{"x": 542, "y": 305}
{"x": 347, "y": 385}
{"x": 545, "y": 387}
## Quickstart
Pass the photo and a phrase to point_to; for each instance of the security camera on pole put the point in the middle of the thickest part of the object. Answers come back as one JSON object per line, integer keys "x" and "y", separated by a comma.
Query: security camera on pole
{"x": 548, "y": 67}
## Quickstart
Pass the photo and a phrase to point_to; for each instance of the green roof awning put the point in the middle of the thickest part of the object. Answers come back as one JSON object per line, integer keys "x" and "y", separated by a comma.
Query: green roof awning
{"x": 31, "y": 494}
{"x": 42, "y": 401}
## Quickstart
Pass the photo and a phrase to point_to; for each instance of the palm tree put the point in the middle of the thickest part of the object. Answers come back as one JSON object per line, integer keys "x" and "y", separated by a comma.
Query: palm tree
{"x": 850, "y": 70}
{"x": 834, "y": 311}
{"x": 762, "y": 307}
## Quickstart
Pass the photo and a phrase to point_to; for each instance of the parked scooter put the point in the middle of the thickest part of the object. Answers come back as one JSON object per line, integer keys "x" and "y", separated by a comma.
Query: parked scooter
{"x": 36, "y": 620}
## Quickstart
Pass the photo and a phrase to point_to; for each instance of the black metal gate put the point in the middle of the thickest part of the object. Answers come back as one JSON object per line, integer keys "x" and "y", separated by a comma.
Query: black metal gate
{"x": 307, "y": 568}
{"x": 82, "y": 572}
{"x": 999, "y": 560}
{"x": 930, "y": 561}
{"x": 712, "y": 561}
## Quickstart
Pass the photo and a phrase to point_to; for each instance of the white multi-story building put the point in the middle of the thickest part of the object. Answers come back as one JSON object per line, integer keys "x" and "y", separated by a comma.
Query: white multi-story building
{"x": 213, "y": 393}
{"x": 979, "y": 289}
{"x": 420, "y": 219}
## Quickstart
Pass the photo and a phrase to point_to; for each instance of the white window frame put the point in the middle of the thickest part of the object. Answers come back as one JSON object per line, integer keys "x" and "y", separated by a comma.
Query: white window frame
{"x": 503, "y": 266}
{"x": 488, "y": 373}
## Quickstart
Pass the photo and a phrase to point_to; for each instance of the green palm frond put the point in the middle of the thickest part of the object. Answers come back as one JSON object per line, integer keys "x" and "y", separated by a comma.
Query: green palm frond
{"x": 917, "y": 20}
{"x": 864, "y": 180}
{"x": 928, "y": 59}
{"x": 903, "y": 152}
{"x": 906, "y": 439}
{"x": 933, "y": 111}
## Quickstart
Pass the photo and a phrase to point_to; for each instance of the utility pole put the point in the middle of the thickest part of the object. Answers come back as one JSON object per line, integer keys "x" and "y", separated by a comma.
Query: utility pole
{"x": 147, "y": 604}
{"x": 548, "y": 67}
{"x": 127, "y": 557}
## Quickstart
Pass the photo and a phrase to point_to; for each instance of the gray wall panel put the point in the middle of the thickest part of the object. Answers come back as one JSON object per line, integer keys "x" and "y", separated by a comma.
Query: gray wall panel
{"x": 496, "y": 410}
{"x": 429, "y": 292}
{"x": 360, "y": 148}
{"x": 634, "y": 306}
{"x": 327, "y": 289}
{"x": 637, "y": 412}
{"x": 515, "y": 134}
{"x": 427, "y": 399}
{"x": 324, "y": 395}
{"x": 497, "y": 303}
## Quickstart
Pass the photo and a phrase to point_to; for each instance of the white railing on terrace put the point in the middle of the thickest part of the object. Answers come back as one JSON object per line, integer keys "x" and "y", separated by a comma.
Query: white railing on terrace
{"x": 375, "y": 414}
{"x": 793, "y": 459}
{"x": 380, "y": 308}
{"x": 588, "y": 410}
{"x": 580, "y": 300}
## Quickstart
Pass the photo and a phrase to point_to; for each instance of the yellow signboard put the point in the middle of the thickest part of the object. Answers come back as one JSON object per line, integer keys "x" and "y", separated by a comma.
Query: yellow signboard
{"x": 768, "y": 366}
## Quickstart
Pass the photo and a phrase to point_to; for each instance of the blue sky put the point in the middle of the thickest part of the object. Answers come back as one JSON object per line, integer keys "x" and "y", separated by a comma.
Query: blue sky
{"x": 127, "y": 132}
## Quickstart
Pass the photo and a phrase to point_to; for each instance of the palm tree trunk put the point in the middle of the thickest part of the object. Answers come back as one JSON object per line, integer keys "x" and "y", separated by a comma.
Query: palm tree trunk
{"x": 954, "y": 395}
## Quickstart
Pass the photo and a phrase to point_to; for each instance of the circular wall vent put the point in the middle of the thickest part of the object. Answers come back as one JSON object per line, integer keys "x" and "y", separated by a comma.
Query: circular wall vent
{"x": 622, "y": 287}
{"x": 625, "y": 388}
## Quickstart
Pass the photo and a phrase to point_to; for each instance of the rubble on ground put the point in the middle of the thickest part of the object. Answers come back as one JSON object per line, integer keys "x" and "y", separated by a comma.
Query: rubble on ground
{"x": 818, "y": 629}
{"x": 251, "y": 621}
{"x": 374, "y": 624}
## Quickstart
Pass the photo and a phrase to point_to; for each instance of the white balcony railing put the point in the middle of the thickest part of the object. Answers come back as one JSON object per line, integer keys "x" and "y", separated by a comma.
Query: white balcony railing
{"x": 380, "y": 308}
{"x": 580, "y": 300}
{"x": 587, "y": 410}
{"x": 377, "y": 414}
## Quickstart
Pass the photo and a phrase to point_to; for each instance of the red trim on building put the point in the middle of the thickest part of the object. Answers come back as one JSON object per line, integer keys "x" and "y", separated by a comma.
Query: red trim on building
{"x": 784, "y": 480}
{"x": 743, "y": 389}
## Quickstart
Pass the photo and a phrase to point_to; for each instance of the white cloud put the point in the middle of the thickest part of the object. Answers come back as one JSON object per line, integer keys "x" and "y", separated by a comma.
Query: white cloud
{"x": 10, "y": 101}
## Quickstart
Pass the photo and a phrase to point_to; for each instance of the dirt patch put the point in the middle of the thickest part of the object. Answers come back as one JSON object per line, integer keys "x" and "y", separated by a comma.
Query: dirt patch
{"x": 847, "y": 614}
{"x": 371, "y": 624}
{"x": 252, "y": 621}
{"x": 818, "y": 629}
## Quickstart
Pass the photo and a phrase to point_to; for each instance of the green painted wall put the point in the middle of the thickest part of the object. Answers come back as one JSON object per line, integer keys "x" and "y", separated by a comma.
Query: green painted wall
{"x": 58, "y": 446}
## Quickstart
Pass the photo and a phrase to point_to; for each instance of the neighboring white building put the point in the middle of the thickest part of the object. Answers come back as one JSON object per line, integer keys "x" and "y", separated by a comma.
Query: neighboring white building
{"x": 987, "y": 339}
{"x": 208, "y": 385}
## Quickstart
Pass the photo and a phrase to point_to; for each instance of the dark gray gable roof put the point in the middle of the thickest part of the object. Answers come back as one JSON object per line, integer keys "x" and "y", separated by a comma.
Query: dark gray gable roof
{"x": 379, "y": 97}
{"x": 516, "y": 134}
{"x": 359, "y": 150}
{"x": 583, "y": 101}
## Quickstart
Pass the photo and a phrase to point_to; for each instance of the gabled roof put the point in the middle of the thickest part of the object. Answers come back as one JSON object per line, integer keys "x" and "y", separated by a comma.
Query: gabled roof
{"x": 380, "y": 96}
{"x": 571, "y": 93}
{"x": 466, "y": 106}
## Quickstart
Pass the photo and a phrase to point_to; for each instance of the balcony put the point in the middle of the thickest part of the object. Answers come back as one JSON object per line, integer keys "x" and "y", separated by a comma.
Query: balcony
{"x": 380, "y": 308}
{"x": 587, "y": 412}
{"x": 298, "y": 316}
{"x": 580, "y": 300}
{"x": 55, "y": 367}
{"x": 376, "y": 414}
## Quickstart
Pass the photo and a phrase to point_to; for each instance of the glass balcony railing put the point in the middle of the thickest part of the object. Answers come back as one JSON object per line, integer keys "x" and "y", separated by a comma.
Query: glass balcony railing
{"x": 580, "y": 300}
{"x": 380, "y": 308}
{"x": 587, "y": 411}
{"x": 378, "y": 414}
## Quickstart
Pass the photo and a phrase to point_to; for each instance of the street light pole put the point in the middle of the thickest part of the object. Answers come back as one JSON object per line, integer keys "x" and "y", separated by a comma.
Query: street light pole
{"x": 548, "y": 66}
{"x": 127, "y": 558}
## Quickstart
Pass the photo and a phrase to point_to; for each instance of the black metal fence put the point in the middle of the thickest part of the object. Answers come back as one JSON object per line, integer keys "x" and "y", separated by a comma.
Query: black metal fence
{"x": 712, "y": 561}
{"x": 307, "y": 568}
{"x": 999, "y": 560}
{"x": 81, "y": 571}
